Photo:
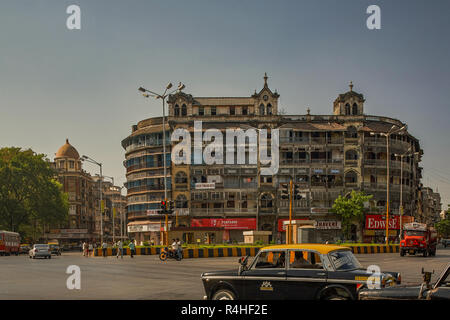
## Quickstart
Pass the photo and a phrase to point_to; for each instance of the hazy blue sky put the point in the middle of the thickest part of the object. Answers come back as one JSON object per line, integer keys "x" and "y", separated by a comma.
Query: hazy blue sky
{"x": 57, "y": 83}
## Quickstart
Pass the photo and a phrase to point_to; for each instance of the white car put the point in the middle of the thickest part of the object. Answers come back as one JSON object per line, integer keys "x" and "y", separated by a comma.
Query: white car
{"x": 40, "y": 250}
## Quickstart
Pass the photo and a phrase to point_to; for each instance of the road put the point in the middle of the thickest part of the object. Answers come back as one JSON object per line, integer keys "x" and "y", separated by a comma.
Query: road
{"x": 146, "y": 277}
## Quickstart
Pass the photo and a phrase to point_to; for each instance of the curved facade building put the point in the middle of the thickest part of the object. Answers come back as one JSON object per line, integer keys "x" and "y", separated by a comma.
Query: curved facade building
{"x": 325, "y": 156}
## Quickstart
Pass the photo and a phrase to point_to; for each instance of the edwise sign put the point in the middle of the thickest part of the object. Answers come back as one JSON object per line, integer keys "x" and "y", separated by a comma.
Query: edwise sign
{"x": 379, "y": 222}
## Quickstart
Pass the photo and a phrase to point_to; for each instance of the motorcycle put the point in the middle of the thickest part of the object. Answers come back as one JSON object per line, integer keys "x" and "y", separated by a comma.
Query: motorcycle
{"x": 169, "y": 254}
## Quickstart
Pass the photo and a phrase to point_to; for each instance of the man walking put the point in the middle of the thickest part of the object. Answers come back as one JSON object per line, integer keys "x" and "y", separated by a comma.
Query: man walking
{"x": 89, "y": 248}
{"x": 132, "y": 247}
{"x": 84, "y": 249}
{"x": 119, "y": 249}
{"x": 104, "y": 248}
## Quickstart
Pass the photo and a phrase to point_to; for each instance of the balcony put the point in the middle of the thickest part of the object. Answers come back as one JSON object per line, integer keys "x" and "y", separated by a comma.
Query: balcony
{"x": 155, "y": 187}
{"x": 222, "y": 211}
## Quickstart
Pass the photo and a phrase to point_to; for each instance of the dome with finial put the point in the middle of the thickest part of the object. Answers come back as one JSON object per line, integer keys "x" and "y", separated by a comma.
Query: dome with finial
{"x": 349, "y": 103}
{"x": 67, "y": 151}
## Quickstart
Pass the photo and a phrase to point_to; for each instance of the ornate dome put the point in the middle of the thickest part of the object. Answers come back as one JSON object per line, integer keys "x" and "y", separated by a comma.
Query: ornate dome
{"x": 67, "y": 151}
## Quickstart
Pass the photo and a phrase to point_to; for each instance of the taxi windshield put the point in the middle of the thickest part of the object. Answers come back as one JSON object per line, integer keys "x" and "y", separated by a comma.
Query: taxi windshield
{"x": 344, "y": 260}
{"x": 414, "y": 233}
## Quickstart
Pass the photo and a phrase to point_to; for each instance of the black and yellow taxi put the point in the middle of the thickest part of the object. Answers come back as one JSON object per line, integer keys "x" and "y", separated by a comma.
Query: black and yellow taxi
{"x": 296, "y": 271}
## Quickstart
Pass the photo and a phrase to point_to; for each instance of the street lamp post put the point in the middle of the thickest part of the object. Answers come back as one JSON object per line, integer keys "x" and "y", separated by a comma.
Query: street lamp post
{"x": 388, "y": 156}
{"x": 113, "y": 225}
{"x": 147, "y": 93}
{"x": 88, "y": 159}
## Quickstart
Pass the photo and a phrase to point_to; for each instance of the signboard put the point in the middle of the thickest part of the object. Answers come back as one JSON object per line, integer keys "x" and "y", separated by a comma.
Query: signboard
{"x": 152, "y": 212}
{"x": 227, "y": 224}
{"x": 73, "y": 231}
{"x": 328, "y": 225}
{"x": 379, "y": 222}
{"x": 144, "y": 227}
{"x": 214, "y": 179}
{"x": 203, "y": 185}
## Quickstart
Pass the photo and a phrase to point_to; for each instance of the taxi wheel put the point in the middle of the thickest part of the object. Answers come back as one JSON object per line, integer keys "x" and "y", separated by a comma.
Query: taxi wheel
{"x": 223, "y": 294}
{"x": 402, "y": 253}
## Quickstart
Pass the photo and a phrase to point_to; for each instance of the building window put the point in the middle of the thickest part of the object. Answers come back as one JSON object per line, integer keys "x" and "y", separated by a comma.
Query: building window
{"x": 355, "y": 109}
{"x": 183, "y": 110}
{"x": 181, "y": 178}
{"x": 181, "y": 201}
{"x": 71, "y": 164}
{"x": 232, "y": 111}
{"x": 213, "y": 111}
{"x": 269, "y": 109}
{"x": 261, "y": 109}
{"x": 201, "y": 111}
{"x": 347, "y": 109}
{"x": 177, "y": 111}
{"x": 266, "y": 201}
{"x": 244, "y": 111}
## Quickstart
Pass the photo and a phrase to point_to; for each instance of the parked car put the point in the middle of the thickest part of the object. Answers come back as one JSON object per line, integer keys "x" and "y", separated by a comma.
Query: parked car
{"x": 299, "y": 271}
{"x": 40, "y": 250}
{"x": 440, "y": 290}
{"x": 445, "y": 242}
{"x": 24, "y": 248}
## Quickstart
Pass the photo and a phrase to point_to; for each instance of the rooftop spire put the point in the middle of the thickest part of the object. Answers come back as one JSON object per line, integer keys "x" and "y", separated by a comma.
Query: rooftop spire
{"x": 351, "y": 85}
{"x": 265, "y": 79}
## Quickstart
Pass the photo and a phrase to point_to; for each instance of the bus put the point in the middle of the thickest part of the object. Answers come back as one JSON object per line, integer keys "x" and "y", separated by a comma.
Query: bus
{"x": 9, "y": 243}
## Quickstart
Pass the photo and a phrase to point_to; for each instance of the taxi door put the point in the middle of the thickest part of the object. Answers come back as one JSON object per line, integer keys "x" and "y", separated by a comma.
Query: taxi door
{"x": 306, "y": 275}
{"x": 266, "y": 279}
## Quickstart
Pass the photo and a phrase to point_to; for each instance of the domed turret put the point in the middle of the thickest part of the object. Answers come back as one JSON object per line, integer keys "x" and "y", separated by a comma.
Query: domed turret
{"x": 67, "y": 151}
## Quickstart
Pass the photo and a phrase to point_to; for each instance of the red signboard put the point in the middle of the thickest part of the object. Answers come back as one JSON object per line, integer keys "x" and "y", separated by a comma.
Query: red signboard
{"x": 227, "y": 224}
{"x": 379, "y": 222}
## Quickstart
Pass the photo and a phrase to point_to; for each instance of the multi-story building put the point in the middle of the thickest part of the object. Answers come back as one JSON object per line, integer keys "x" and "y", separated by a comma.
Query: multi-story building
{"x": 431, "y": 205}
{"x": 83, "y": 194}
{"x": 325, "y": 155}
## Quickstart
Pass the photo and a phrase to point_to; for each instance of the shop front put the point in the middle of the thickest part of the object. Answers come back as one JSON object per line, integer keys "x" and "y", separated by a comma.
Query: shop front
{"x": 323, "y": 230}
{"x": 375, "y": 228}
{"x": 233, "y": 227}
{"x": 145, "y": 231}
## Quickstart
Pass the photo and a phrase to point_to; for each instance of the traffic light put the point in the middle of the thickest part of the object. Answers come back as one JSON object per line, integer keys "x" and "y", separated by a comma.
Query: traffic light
{"x": 284, "y": 191}
{"x": 163, "y": 206}
{"x": 296, "y": 192}
{"x": 171, "y": 206}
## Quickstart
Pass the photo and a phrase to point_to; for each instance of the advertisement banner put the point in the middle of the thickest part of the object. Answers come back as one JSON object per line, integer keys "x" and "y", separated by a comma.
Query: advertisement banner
{"x": 205, "y": 185}
{"x": 379, "y": 222}
{"x": 227, "y": 224}
{"x": 328, "y": 225}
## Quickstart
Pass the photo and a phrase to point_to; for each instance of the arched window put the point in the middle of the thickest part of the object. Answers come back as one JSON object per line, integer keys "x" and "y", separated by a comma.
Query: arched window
{"x": 351, "y": 132}
{"x": 351, "y": 177}
{"x": 181, "y": 201}
{"x": 266, "y": 200}
{"x": 261, "y": 109}
{"x": 347, "y": 109}
{"x": 181, "y": 178}
{"x": 176, "y": 110}
{"x": 269, "y": 109}
{"x": 355, "y": 109}
{"x": 351, "y": 155}
{"x": 183, "y": 110}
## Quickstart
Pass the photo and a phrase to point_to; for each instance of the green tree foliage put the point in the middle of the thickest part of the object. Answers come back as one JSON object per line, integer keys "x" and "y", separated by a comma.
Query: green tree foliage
{"x": 350, "y": 209}
{"x": 443, "y": 226}
{"x": 29, "y": 193}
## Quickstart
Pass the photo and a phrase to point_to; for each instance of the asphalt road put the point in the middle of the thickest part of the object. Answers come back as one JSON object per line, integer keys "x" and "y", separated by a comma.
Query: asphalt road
{"x": 146, "y": 277}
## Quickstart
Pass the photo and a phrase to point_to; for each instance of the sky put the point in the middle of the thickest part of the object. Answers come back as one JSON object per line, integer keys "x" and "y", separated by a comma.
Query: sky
{"x": 57, "y": 83}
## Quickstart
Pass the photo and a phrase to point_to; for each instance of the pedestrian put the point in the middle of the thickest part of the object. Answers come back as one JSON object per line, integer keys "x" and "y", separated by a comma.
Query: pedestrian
{"x": 84, "y": 249}
{"x": 89, "y": 248}
{"x": 104, "y": 248}
{"x": 180, "y": 249}
{"x": 119, "y": 249}
{"x": 132, "y": 247}
{"x": 152, "y": 242}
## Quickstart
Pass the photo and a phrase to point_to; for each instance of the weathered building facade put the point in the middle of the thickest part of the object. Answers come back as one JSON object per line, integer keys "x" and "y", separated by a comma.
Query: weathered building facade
{"x": 325, "y": 155}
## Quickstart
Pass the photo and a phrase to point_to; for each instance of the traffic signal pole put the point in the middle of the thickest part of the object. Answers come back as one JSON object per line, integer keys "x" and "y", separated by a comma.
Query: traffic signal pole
{"x": 290, "y": 213}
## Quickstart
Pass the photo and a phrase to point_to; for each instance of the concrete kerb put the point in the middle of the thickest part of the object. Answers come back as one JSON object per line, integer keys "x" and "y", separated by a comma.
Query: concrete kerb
{"x": 236, "y": 251}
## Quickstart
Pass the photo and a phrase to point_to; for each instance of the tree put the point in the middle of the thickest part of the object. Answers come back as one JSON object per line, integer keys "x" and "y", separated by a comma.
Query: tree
{"x": 29, "y": 192}
{"x": 350, "y": 209}
{"x": 443, "y": 226}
